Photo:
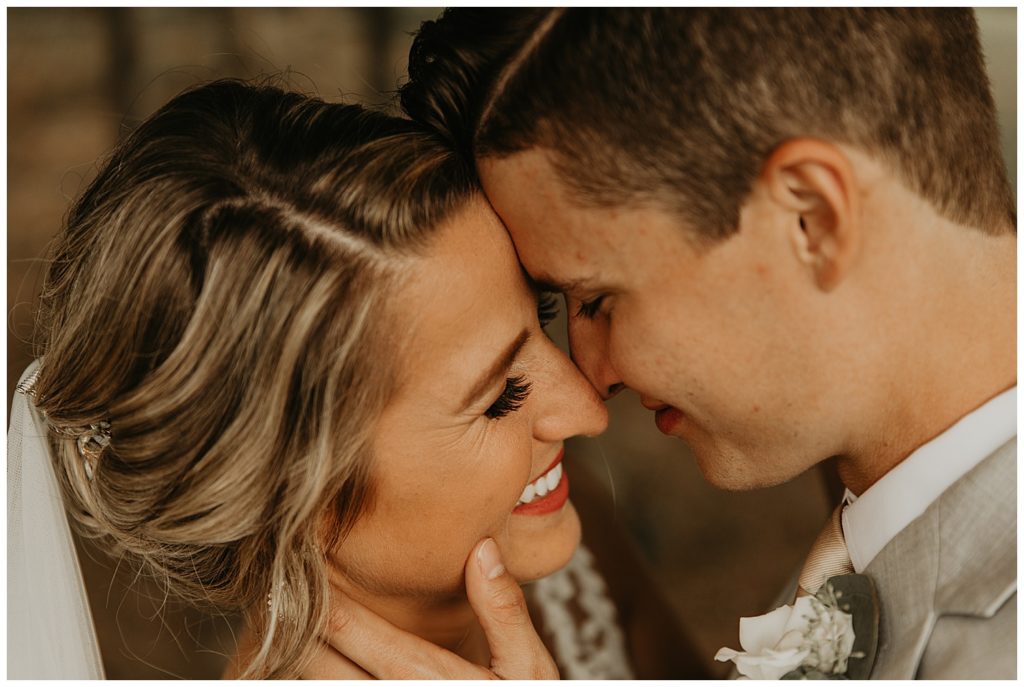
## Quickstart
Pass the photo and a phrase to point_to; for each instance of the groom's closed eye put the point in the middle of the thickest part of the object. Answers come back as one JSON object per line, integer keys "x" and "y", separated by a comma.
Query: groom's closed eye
{"x": 589, "y": 309}
{"x": 576, "y": 289}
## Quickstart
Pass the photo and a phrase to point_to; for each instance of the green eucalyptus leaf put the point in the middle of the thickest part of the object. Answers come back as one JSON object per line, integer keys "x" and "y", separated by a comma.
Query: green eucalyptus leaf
{"x": 856, "y": 595}
{"x": 818, "y": 675}
{"x": 805, "y": 673}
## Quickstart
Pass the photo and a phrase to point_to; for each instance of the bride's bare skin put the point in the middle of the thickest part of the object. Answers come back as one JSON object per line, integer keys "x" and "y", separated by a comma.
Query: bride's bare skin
{"x": 658, "y": 645}
{"x": 485, "y": 404}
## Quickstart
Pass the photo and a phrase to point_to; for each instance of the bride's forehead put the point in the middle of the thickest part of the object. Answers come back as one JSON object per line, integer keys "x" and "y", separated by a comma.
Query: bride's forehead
{"x": 470, "y": 261}
{"x": 466, "y": 290}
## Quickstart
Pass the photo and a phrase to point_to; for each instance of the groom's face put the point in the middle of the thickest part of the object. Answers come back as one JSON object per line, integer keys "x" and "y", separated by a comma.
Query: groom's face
{"x": 719, "y": 341}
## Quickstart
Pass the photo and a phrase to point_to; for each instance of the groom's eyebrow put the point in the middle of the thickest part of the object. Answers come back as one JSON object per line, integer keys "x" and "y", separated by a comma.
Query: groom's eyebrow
{"x": 544, "y": 282}
{"x": 498, "y": 368}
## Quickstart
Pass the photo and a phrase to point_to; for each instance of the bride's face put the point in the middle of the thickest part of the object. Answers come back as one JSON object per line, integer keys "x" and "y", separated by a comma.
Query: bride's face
{"x": 484, "y": 403}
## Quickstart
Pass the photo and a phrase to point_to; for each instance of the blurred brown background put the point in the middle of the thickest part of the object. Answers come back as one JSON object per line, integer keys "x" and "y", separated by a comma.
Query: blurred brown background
{"x": 79, "y": 78}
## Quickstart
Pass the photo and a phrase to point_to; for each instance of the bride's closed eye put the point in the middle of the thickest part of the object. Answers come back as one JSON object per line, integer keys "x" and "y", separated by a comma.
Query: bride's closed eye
{"x": 516, "y": 390}
{"x": 547, "y": 308}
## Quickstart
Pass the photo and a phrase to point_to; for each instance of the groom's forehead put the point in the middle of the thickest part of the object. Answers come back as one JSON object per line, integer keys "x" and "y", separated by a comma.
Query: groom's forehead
{"x": 560, "y": 237}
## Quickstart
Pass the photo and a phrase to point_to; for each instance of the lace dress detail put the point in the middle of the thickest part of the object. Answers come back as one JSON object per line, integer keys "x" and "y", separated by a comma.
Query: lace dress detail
{"x": 579, "y": 622}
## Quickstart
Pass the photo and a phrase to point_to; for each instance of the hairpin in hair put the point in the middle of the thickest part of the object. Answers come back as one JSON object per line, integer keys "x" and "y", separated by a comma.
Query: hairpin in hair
{"x": 282, "y": 613}
{"x": 27, "y": 386}
{"x": 90, "y": 440}
{"x": 91, "y": 444}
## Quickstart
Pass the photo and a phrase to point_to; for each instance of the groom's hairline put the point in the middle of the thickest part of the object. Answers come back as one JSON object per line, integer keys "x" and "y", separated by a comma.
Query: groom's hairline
{"x": 511, "y": 68}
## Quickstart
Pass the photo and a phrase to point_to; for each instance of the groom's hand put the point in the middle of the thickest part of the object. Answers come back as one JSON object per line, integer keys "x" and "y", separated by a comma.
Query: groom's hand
{"x": 358, "y": 639}
{"x": 517, "y": 652}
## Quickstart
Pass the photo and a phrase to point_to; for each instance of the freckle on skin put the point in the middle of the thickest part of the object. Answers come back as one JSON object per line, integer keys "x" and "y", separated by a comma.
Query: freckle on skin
{"x": 757, "y": 408}
{"x": 762, "y": 271}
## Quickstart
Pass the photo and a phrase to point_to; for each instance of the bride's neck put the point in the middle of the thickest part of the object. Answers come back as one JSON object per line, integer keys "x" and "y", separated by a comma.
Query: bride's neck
{"x": 448, "y": 622}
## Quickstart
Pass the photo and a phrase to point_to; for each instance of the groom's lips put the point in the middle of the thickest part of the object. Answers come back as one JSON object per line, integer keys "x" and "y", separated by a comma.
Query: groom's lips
{"x": 667, "y": 419}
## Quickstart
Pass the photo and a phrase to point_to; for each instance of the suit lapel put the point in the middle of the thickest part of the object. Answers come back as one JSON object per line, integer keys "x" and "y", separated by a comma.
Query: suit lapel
{"x": 905, "y": 575}
{"x": 959, "y": 557}
{"x": 976, "y": 578}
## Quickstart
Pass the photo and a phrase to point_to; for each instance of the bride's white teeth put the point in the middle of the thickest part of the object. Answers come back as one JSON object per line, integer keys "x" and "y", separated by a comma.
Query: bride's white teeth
{"x": 528, "y": 494}
{"x": 553, "y": 478}
{"x": 542, "y": 486}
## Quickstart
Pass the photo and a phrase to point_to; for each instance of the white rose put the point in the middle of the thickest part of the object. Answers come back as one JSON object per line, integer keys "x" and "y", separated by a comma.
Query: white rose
{"x": 806, "y": 633}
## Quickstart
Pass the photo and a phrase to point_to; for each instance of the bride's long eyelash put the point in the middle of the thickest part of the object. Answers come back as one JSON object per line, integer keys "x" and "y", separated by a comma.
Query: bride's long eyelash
{"x": 511, "y": 399}
{"x": 547, "y": 308}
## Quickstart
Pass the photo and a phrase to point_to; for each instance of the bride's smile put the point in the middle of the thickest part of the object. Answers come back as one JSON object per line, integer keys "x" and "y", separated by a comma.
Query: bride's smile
{"x": 547, "y": 493}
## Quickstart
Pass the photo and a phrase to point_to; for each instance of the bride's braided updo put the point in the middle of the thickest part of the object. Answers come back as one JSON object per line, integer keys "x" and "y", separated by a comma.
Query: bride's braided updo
{"x": 218, "y": 304}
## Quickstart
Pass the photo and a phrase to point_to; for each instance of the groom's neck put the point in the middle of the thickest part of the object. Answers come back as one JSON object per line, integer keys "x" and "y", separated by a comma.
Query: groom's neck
{"x": 954, "y": 348}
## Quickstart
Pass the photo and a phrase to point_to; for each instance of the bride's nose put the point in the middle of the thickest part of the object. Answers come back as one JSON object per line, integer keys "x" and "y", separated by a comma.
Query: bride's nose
{"x": 566, "y": 403}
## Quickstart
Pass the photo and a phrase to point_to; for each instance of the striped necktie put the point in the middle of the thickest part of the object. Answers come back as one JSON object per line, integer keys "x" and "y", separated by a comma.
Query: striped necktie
{"x": 828, "y": 557}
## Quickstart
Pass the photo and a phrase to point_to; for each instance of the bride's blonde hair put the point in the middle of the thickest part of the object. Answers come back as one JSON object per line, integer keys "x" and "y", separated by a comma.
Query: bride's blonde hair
{"x": 219, "y": 296}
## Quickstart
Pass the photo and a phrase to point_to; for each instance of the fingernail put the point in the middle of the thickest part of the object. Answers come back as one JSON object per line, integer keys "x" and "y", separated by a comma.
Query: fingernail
{"x": 489, "y": 559}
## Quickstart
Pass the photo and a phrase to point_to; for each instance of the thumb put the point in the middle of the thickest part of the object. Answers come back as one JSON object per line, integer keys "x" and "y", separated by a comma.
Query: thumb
{"x": 517, "y": 652}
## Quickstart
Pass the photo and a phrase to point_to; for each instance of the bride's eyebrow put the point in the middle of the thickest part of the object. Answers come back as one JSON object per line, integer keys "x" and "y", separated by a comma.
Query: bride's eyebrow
{"x": 498, "y": 368}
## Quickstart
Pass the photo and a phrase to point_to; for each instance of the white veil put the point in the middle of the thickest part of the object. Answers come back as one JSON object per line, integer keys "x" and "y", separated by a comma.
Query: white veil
{"x": 50, "y": 633}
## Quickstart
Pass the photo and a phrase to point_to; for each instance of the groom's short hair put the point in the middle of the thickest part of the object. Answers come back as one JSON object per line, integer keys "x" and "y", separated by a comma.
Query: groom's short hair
{"x": 681, "y": 107}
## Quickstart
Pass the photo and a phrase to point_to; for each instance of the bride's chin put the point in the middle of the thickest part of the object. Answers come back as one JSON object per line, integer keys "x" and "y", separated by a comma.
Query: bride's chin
{"x": 538, "y": 548}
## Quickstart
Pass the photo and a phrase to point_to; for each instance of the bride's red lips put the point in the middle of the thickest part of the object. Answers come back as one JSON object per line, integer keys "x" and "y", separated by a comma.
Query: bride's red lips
{"x": 554, "y": 499}
{"x": 556, "y": 461}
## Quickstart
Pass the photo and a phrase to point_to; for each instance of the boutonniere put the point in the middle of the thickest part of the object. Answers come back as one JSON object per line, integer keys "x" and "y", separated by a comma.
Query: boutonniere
{"x": 832, "y": 635}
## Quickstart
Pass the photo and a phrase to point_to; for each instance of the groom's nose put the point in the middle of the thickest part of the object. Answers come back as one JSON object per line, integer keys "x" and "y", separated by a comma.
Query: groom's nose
{"x": 588, "y": 345}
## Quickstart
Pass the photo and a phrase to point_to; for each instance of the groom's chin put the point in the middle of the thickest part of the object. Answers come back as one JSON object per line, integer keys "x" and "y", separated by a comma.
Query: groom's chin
{"x": 737, "y": 473}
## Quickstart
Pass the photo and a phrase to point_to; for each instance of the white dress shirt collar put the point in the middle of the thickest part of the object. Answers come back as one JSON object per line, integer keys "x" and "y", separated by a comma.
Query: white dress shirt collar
{"x": 905, "y": 492}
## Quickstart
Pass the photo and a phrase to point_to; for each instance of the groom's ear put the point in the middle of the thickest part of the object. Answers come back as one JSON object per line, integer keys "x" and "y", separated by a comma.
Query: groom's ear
{"x": 812, "y": 184}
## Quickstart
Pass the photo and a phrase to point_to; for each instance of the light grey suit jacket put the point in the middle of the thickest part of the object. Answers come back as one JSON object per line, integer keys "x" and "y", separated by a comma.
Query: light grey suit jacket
{"x": 947, "y": 584}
